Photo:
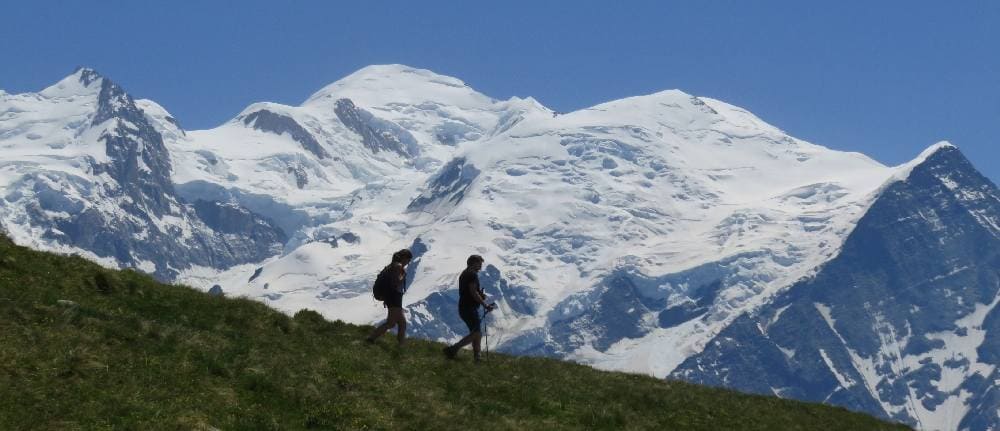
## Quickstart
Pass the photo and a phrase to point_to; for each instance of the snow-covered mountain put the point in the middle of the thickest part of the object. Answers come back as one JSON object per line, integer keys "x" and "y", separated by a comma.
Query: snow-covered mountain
{"x": 83, "y": 169}
{"x": 903, "y": 323}
{"x": 633, "y": 235}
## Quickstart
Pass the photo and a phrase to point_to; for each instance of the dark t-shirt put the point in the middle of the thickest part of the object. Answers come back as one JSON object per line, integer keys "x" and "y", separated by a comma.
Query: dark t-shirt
{"x": 465, "y": 299}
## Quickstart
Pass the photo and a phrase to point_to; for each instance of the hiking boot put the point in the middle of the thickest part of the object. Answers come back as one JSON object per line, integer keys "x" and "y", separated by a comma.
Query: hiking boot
{"x": 450, "y": 352}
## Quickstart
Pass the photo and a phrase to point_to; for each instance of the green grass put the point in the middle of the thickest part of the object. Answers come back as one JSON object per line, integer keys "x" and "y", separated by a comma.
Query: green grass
{"x": 130, "y": 353}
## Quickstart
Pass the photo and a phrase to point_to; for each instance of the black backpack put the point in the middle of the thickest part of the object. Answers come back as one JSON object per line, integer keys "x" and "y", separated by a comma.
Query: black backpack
{"x": 380, "y": 290}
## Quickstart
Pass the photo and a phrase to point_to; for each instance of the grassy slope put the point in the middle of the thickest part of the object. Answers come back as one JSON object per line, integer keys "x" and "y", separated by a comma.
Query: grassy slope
{"x": 131, "y": 353}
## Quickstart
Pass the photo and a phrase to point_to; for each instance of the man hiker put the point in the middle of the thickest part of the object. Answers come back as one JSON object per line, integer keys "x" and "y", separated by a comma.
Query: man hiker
{"x": 470, "y": 297}
{"x": 390, "y": 286}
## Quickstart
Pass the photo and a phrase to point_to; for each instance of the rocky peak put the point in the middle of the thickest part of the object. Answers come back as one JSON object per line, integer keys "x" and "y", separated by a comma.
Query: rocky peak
{"x": 140, "y": 161}
{"x": 113, "y": 101}
{"x": 903, "y": 323}
{"x": 82, "y": 82}
{"x": 86, "y": 75}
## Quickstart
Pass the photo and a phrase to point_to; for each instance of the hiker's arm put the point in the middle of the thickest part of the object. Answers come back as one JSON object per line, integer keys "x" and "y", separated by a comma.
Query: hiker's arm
{"x": 482, "y": 296}
{"x": 474, "y": 292}
{"x": 401, "y": 279}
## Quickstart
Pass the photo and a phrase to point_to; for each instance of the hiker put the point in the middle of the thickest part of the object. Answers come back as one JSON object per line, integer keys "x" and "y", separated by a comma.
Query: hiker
{"x": 470, "y": 297}
{"x": 392, "y": 283}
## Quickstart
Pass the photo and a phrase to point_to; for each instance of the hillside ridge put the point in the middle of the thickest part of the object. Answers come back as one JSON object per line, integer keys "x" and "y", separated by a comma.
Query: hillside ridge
{"x": 83, "y": 347}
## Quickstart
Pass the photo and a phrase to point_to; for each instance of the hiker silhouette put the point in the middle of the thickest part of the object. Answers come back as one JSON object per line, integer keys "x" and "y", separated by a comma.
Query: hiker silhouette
{"x": 390, "y": 285}
{"x": 470, "y": 298}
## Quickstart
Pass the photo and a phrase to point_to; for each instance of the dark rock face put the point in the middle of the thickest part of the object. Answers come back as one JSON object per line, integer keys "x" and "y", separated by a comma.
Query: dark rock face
{"x": 448, "y": 185}
{"x": 704, "y": 297}
{"x": 268, "y": 121}
{"x": 230, "y": 218}
{"x": 87, "y": 76}
{"x": 140, "y": 163}
{"x": 614, "y": 311}
{"x": 376, "y": 134}
{"x": 334, "y": 240}
{"x": 418, "y": 248}
{"x": 283, "y": 215}
{"x": 513, "y": 298}
{"x": 911, "y": 298}
{"x": 436, "y": 317}
{"x": 619, "y": 306}
{"x": 256, "y": 273}
{"x": 129, "y": 210}
{"x": 301, "y": 178}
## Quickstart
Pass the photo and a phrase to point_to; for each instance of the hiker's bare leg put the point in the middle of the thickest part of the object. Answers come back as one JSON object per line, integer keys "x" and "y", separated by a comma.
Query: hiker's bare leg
{"x": 400, "y": 320}
{"x": 390, "y": 321}
{"x": 477, "y": 337}
{"x": 473, "y": 337}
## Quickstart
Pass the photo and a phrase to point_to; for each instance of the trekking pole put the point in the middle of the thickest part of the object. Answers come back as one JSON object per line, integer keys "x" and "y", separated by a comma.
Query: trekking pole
{"x": 486, "y": 333}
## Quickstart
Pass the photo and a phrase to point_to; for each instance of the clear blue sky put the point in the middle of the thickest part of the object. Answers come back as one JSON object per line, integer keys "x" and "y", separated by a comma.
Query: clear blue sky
{"x": 886, "y": 78}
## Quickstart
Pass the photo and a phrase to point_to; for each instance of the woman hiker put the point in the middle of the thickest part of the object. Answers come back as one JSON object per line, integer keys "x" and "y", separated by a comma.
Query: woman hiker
{"x": 392, "y": 296}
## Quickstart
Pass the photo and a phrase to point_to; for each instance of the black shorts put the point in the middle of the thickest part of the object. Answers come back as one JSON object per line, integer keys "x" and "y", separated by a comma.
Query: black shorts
{"x": 393, "y": 299}
{"x": 471, "y": 318}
